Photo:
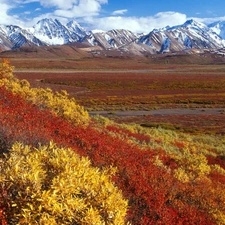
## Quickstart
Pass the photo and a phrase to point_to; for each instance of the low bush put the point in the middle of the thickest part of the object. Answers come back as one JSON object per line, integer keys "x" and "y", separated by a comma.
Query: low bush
{"x": 51, "y": 185}
{"x": 59, "y": 102}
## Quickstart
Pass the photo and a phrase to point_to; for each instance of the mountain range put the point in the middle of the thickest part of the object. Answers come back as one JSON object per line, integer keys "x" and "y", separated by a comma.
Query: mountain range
{"x": 191, "y": 36}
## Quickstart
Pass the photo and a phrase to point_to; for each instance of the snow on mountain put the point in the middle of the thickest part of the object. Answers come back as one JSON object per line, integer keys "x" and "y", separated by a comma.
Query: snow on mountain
{"x": 18, "y": 36}
{"x": 76, "y": 31}
{"x": 52, "y": 32}
{"x": 207, "y": 37}
{"x": 97, "y": 31}
{"x": 45, "y": 32}
{"x": 5, "y": 43}
{"x": 218, "y": 28}
{"x": 111, "y": 39}
{"x": 191, "y": 34}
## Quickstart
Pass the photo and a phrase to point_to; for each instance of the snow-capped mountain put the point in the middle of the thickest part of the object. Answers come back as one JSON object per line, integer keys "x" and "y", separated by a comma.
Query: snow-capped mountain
{"x": 13, "y": 37}
{"x": 45, "y": 32}
{"x": 190, "y": 35}
{"x": 76, "y": 31}
{"x": 5, "y": 44}
{"x": 52, "y": 32}
{"x": 218, "y": 28}
{"x": 111, "y": 39}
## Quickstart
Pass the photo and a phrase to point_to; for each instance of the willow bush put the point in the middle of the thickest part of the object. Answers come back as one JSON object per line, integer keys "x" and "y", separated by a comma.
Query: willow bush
{"x": 52, "y": 185}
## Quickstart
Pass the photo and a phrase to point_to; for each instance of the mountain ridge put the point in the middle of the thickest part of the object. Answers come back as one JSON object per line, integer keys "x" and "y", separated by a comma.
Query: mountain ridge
{"x": 190, "y": 36}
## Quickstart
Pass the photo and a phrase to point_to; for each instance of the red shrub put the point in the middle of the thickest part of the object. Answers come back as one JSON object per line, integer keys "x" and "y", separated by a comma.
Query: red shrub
{"x": 220, "y": 160}
{"x": 155, "y": 196}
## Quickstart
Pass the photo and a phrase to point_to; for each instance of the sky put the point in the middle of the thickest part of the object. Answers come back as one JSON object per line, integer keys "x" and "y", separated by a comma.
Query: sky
{"x": 135, "y": 15}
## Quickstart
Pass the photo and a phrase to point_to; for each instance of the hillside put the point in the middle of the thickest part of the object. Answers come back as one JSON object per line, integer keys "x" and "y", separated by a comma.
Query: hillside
{"x": 58, "y": 165}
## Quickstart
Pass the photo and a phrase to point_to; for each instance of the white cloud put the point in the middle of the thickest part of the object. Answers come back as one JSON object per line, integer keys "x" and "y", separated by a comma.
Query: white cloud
{"x": 88, "y": 12}
{"x": 119, "y": 12}
{"x": 138, "y": 24}
{"x": 64, "y": 4}
{"x": 209, "y": 20}
{"x": 80, "y": 8}
{"x": 62, "y": 9}
{"x": 61, "y": 4}
{"x": 5, "y": 18}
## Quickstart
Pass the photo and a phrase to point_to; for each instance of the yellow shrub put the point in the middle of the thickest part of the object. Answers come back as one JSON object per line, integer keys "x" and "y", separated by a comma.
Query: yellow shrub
{"x": 199, "y": 164}
{"x": 6, "y": 69}
{"x": 181, "y": 175}
{"x": 58, "y": 102}
{"x": 219, "y": 216}
{"x": 52, "y": 185}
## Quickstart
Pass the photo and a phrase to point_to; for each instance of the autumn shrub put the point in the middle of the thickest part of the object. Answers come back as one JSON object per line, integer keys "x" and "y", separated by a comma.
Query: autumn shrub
{"x": 51, "y": 185}
{"x": 23, "y": 121}
{"x": 58, "y": 102}
{"x": 167, "y": 177}
{"x": 155, "y": 190}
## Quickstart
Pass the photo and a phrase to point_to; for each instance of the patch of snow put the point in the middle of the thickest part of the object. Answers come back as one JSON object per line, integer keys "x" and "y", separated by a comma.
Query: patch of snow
{"x": 97, "y": 31}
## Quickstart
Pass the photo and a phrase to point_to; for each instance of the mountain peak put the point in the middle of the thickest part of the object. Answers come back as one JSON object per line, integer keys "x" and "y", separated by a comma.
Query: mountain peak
{"x": 53, "y": 32}
{"x": 73, "y": 23}
{"x": 76, "y": 30}
{"x": 45, "y": 20}
{"x": 218, "y": 27}
{"x": 191, "y": 21}
{"x": 194, "y": 23}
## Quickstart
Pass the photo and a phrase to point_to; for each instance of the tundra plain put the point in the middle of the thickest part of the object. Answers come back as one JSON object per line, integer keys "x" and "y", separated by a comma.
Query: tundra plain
{"x": 112, "y": 84}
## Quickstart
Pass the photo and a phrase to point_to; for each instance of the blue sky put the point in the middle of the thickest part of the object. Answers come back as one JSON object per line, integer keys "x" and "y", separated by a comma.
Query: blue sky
{"x": 135, "y": 15}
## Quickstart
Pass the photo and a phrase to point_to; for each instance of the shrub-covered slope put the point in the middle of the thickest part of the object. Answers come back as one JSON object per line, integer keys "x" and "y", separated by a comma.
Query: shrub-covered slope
{"x": 165, "y": 177}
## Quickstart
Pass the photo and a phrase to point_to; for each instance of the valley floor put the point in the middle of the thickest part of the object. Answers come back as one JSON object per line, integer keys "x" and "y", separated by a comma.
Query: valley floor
{"x": 137, "y": 90}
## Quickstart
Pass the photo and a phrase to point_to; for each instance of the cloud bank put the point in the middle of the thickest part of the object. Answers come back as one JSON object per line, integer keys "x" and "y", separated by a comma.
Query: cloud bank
{"x": 138, "y": 24}
{"x": 5, "y": 18}
{"x": 88, "y": 13}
